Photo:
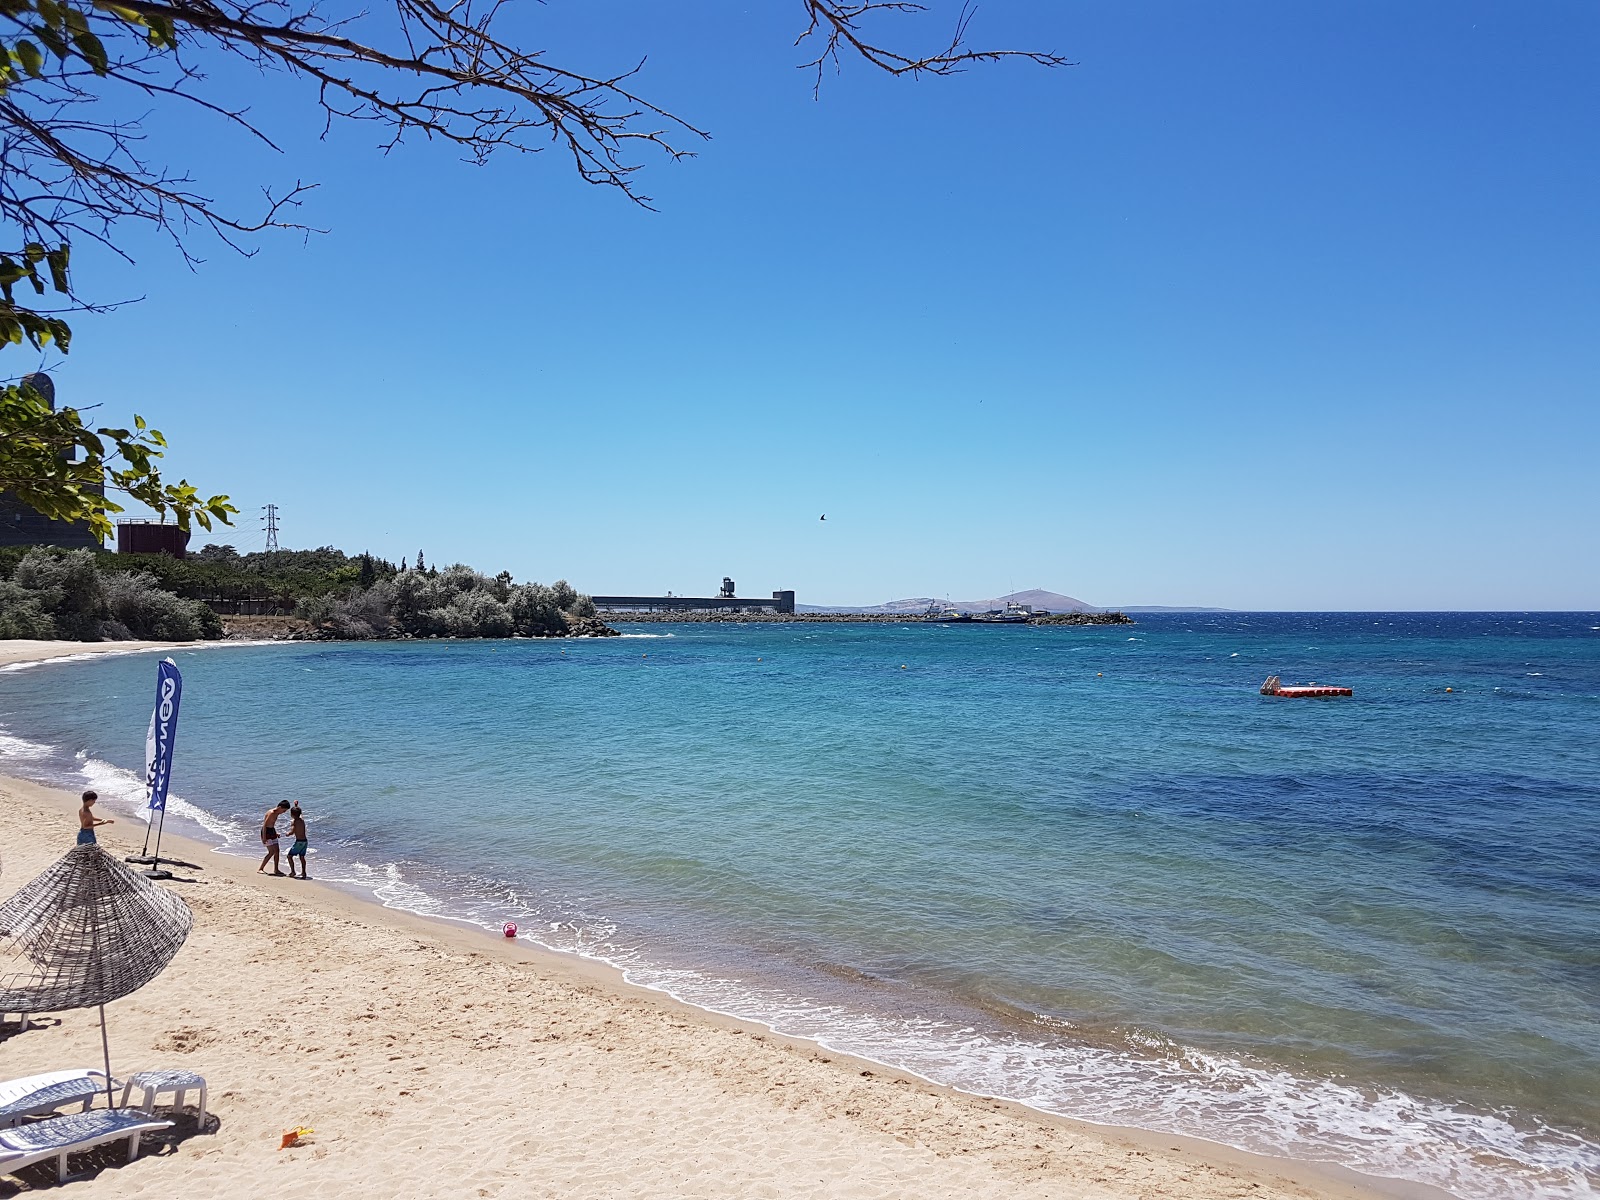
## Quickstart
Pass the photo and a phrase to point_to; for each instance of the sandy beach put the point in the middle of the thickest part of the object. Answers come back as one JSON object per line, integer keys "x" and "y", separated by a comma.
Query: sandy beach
{"x": 434, "y": 1060}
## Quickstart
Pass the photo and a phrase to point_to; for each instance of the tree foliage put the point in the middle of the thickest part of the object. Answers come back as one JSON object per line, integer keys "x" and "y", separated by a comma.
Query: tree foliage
{"x": 65, "y": 594}
{"x": 59, "y": 466}
{"x": 454, "y": 602}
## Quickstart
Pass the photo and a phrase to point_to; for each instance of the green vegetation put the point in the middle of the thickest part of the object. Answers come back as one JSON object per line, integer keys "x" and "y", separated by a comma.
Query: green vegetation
{"x": 455, "y": 602}
{"x": 280, "y": 579}
{"x": 93, "y": 596}
{"x": 70, "y": 471}
{"x": 65, "y": 594}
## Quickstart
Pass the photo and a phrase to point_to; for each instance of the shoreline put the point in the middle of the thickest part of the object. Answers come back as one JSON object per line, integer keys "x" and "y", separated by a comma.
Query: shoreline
{"x": 23, "y": 652}
{"x": 796, "y": 1104}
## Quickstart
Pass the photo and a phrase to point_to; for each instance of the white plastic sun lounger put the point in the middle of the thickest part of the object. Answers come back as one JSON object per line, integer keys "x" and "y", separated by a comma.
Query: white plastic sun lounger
{"x": 39, "y": 1095}
{"x": 61, "y": 1136}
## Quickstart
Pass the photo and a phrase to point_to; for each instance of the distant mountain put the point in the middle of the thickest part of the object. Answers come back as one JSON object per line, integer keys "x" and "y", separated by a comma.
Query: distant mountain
{"x": 1035, "y": 598}
{"x": 1172, "y": 608}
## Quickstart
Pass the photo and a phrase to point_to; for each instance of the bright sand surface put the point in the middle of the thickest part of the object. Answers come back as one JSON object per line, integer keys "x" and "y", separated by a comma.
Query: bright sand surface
{"x": 23, "y": 650}
{"x": 433, "y": 1060}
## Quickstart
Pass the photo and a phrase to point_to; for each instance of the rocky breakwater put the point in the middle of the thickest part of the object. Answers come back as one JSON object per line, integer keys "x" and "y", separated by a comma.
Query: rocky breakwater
{"x": 812, "y": 618}
{"x": 1082, "y": 618}
{"x": 590, "y": 627}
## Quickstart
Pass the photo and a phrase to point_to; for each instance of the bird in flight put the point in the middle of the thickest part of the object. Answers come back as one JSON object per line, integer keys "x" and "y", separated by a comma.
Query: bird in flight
{"x": 823, "y": 517}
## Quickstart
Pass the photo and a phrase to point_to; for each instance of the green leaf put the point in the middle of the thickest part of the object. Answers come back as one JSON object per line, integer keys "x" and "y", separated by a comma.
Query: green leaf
{"x": 31, "y": 59}
{"x": 53, "y": 41}
{"x": 57, "y": 261}
{"x": 93, "y": 50}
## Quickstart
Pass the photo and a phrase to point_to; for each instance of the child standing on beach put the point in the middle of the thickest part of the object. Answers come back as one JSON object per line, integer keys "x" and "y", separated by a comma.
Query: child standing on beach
{"x": 269, "y": 837}
{"x": 297, "y": 830}
{"x": 87, "y": 820}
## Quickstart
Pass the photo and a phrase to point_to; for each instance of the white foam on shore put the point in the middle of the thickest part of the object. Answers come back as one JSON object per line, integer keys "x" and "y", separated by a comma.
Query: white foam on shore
{"x": 114, "y": 650}
{"x": 1168, "y": 1088}
{"x": 1159, "y": 1086}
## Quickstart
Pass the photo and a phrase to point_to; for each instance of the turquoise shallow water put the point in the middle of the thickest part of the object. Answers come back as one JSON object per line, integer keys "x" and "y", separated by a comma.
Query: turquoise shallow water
{"x": 1086, "y": 868}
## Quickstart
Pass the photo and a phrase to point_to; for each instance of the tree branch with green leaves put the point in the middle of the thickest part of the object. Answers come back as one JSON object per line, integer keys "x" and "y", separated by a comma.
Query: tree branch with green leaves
{"x": 62, "y": 468}
{"x": 74, "y": 74}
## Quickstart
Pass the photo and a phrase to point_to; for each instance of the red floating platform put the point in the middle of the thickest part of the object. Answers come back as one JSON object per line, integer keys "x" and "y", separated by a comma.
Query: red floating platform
{"x": 1313, "y": 690}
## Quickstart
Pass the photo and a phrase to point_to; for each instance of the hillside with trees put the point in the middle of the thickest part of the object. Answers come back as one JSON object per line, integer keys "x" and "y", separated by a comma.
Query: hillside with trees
{"x": 86, "y": 595}
{"x": 51, "y": 594}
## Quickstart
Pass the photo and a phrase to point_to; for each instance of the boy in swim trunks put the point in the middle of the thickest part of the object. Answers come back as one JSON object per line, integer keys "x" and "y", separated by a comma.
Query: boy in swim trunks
{"x": 297, "y": 830}
{"x": 87, "y": 820}
{"x": 269, "y": 837}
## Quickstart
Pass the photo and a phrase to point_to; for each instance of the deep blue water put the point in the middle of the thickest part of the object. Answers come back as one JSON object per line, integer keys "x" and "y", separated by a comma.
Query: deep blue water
{"x": 1086, "y": 868}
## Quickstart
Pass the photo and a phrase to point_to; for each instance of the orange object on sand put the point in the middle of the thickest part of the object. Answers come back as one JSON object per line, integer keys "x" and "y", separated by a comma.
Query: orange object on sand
{"x": 291, "y": 1137}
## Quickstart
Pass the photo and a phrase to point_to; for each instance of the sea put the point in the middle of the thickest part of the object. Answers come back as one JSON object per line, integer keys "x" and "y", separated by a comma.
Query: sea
{"x": 1089, "y": 869}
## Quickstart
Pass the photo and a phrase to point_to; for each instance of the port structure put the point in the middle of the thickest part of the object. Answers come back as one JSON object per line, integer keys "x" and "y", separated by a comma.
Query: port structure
{"x": 726, "y": 600}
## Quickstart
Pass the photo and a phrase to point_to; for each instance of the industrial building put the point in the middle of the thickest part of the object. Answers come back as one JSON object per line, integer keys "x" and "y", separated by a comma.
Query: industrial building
{"x": 725, "y": 601}
{"x": 152, "y": 537}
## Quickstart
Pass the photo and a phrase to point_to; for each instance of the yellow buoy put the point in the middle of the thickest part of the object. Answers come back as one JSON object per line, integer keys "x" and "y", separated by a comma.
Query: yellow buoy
{"x": 1449, "y": 689}
{"x": 1099, "y": 674}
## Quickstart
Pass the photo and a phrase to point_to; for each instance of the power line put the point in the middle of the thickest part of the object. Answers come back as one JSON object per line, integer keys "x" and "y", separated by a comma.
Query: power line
{"x": 270, "y": 522}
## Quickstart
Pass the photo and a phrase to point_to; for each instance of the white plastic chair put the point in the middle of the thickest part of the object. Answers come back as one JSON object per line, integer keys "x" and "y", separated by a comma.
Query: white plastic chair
{"x": 61, "y": 1136}
{"x": 39, "y": 1095}
{"x": 151, "y": 1084}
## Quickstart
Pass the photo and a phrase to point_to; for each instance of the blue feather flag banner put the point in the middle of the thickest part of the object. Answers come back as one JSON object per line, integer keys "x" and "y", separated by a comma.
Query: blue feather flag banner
{"x": 163, "y": 729}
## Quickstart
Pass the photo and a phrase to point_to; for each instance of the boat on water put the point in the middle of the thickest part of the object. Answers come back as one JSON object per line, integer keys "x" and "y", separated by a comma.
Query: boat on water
{"x": 1012, "y": 614}
{"x": 1316, "y": 691}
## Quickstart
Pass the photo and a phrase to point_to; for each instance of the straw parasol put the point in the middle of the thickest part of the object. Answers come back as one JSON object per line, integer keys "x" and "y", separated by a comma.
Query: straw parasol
{"x": 84, "y": 933}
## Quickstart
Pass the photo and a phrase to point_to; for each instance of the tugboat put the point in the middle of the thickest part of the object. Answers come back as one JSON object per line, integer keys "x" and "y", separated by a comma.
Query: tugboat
{"x": 1316, "y": 691}
{"x": 1012, "y": 614}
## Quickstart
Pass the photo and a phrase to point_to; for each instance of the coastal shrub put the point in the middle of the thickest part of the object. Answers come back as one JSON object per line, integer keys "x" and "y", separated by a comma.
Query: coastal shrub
{"x": 69, "y": 589}
{"x": 365, "y": 614}
{"x": 477, "y": 613}
{"x": 317, "y": 610}
{"x": 454, "y": 602}
{"x": 139, "y": 605}
{"x": 65, "y": 594}
{"x": 22, "y": 615}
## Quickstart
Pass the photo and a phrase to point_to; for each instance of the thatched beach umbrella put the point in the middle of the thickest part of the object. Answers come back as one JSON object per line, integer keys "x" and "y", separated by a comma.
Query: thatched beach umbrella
{"x": 85, "y": 932}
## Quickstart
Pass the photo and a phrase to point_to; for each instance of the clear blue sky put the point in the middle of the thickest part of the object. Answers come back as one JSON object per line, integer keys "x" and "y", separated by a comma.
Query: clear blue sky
{"x": 1259, "y": 305}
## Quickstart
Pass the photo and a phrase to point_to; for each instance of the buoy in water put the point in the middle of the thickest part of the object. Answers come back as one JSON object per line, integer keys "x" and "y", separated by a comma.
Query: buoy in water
{"x": 511, "y": 929}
